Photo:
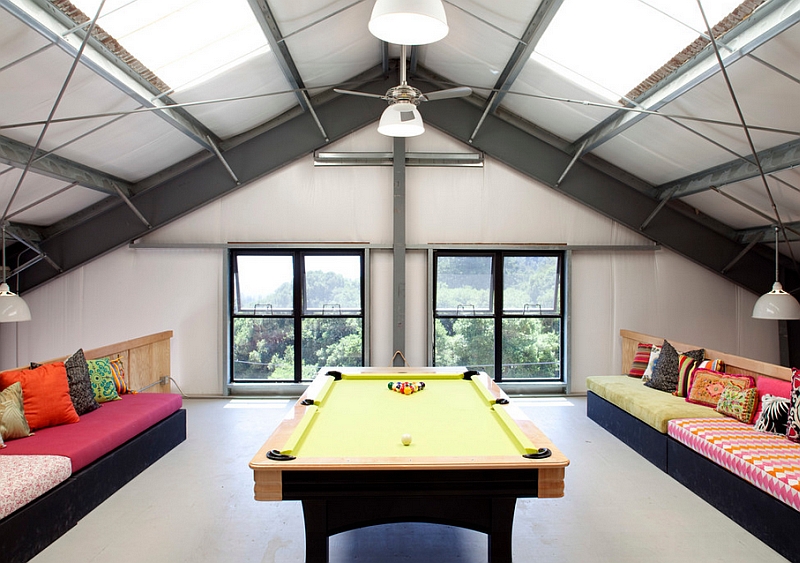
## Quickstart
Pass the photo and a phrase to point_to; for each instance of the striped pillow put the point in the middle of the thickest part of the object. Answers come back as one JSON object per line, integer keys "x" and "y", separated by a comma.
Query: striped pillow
{"x": 118, "y": 373}
{"x": 640, "y": 360}
{"x": 686, "y": 365}
{"x": 715, "y": 365}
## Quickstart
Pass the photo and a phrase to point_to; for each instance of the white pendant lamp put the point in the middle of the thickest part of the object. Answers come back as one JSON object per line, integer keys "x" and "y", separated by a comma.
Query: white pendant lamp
{"x": 408, "y": 22}
{"x": 777, "y": 304}
{"x": 401, "y": 119}
{"x": 12, "y": 307}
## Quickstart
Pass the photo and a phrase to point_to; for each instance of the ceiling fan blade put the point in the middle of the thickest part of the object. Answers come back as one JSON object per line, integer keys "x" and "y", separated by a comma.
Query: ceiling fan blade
{"x": 354, "y": 93}
{"x": 458, "y": 92}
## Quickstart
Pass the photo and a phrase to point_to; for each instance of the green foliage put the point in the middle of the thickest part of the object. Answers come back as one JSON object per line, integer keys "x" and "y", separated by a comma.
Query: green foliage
{"x": 531, "y": 345}
{"x": 263, "y": 347}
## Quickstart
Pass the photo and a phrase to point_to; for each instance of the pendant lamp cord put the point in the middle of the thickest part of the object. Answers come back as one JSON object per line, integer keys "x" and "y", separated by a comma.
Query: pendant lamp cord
{"x": 4, "y": 253}
{"x": 776, "y": 253}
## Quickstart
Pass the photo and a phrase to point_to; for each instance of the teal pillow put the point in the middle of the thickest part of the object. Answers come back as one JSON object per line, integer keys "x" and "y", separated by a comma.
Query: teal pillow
{"x": 102, "y": 379}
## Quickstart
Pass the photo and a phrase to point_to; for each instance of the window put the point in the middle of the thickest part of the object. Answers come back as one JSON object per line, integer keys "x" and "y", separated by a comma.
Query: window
{"x": 293, "y": 312}
{"x": 500, "y": 312}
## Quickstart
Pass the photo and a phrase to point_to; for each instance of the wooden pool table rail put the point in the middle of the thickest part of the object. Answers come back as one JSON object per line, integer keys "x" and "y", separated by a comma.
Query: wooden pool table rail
{"x": 268, "y": 473}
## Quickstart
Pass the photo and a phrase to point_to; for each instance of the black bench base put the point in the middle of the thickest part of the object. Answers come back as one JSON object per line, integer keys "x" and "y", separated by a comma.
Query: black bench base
{"x": 641, "y": 437}
{"x": 29, "y": 530}
{"x": 770, "y": 520}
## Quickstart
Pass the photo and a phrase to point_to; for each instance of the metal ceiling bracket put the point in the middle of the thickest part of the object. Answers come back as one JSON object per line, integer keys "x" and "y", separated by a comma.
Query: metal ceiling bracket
{"x": 136, "y": 212}
{"x": 522, "y": 52}
{"x": 52, "y": 113}
{"x": 224, "y": 162}
{"x": 35, "y": 248}
{"x": 132, "y": 83}
{"x": 272, "y": 33}
{"x": 659, "y": 207}
{"x": 572, "y": 162}
{"x": 17, "y": 154}
{"x": 746, "y": 129}
{"x": 764, "y": 24}
{"x": 738, "y": 257}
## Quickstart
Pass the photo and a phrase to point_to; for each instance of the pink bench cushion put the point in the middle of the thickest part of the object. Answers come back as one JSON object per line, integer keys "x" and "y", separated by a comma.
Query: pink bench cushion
{"x": 99, "y": 431}
{"x": 25, "y": 477}
{"x": 769, "y": 461}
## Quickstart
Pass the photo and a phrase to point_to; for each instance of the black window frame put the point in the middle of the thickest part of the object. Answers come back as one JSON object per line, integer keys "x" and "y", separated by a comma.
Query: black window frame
{"x": 299, "y": 312}
{"x": 497, "y": 313}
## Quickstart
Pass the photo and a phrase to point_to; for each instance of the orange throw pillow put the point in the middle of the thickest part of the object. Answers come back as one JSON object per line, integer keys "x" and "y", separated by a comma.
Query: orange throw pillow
{"x": 45, "y": 395}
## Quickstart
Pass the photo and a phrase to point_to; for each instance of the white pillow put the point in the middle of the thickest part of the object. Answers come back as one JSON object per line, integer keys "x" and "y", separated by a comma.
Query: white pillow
{"x": 655, "y": 352}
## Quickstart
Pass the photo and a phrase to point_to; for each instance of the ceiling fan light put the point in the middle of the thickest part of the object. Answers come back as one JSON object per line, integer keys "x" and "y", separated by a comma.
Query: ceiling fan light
{"x": 12, "y": 307}
{"x": 408, "y": 22}
{"x": 401, "y": 120}
{"x": 776, "y": 305}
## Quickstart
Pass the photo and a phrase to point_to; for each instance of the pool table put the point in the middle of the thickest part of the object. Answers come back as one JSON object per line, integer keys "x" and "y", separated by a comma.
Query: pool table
{"x": 471, "y": 455}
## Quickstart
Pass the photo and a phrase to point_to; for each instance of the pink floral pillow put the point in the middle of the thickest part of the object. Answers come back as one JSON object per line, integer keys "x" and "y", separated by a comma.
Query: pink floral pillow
{"x": 708, "y": 385}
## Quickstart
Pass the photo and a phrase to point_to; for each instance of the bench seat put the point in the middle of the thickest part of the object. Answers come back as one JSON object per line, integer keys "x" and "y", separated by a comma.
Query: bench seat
{"x": 651, "y": 406}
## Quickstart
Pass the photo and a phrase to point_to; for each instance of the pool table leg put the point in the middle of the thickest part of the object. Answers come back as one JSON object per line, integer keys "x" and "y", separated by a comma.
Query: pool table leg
{"x": 315, "y": 515}
{"x": 501, "y": 528}
{"x": 493, "y": 516}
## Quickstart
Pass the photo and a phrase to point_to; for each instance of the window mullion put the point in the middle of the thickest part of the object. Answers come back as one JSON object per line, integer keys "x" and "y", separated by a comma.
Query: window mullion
{"x": 497, "y": 271}
{"x": 297, "y": 305}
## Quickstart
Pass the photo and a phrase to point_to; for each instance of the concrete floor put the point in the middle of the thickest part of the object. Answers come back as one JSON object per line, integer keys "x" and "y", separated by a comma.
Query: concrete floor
{"x": 196, "y": 505}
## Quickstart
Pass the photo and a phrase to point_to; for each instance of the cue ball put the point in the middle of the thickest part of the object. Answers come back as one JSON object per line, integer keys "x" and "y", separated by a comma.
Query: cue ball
{"x": 406, "y": 439}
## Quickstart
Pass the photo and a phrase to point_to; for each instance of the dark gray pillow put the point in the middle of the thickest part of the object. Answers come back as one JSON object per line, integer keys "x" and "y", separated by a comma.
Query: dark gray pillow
{"x": 80, "y": 386}
{"x": 665, "y": 374}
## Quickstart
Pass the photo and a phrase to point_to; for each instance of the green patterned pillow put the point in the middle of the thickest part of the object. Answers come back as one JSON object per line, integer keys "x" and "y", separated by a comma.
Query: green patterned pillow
{"x": 102, "y": 380}
{"x": 12, "y": 413}
{"x": 738, "y": 403}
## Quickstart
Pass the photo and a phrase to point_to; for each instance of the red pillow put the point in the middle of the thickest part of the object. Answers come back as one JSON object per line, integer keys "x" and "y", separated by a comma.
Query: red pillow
{"x": 771, "y": 386}
{"x": 45, "y": 395}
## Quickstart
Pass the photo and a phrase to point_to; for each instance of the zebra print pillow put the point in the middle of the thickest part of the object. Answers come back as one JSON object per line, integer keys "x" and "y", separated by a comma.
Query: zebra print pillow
{"x": 774, "y": 415}
{"x": 793, "y": 425}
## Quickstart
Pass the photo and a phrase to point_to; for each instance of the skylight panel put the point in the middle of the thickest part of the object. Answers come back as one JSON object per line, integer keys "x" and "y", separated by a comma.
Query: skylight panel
{"x": 184, "y": 42}
{"x": 613, "y": 45}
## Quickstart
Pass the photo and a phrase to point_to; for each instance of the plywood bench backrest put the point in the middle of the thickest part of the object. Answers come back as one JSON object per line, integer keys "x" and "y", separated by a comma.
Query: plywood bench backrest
{"x": 733, "y": 364}
{"x": 146, "y": 360}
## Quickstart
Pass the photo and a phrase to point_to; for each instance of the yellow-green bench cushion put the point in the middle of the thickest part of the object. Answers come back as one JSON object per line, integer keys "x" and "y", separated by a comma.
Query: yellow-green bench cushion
{"x": 651, "y": 406}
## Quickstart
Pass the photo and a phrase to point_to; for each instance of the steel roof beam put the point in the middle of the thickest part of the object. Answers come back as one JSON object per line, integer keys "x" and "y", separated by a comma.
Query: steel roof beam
{"x": 766, "y": 234}
{"x": 522, "y": 52}
{"x": 132, "y": 83}
{"x": 673, "y": 227}
{"x": 775, "y": 159}
{"x": 764, "y": 24}
{"x": 114, "y": 225}
{"x": 17, "y": 154}
{"x": 269, "y": 26}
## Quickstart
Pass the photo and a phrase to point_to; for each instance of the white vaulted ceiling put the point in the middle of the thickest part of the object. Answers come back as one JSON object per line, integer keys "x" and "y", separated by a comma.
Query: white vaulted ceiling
{"x": 240, "y": 66}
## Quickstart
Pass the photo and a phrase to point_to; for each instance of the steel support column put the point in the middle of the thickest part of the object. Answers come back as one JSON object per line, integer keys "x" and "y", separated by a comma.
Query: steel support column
{"x": 399, "y": 251}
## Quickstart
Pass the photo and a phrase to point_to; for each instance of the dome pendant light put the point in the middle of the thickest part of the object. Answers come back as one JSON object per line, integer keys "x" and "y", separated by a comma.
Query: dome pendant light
{"x": 401, "y": 119}
{"x": 777, "y": 304}
{"x": 12, "y": 307}
{"x": 408, "y": 22}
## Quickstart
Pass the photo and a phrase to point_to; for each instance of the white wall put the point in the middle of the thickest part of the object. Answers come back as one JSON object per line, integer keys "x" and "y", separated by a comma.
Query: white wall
{"x": 130, "y": 293}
